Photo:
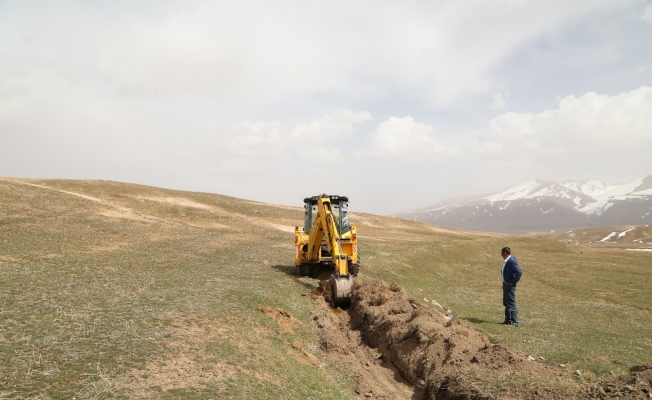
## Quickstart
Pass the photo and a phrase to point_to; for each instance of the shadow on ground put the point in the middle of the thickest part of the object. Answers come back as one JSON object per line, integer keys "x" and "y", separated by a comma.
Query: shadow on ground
{"x": 291, "y": 270}
{"x": 477, "y": 320}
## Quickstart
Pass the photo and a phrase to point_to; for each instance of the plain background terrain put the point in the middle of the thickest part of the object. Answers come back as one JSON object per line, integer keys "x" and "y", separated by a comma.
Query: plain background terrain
{"x": 117, "y": 290}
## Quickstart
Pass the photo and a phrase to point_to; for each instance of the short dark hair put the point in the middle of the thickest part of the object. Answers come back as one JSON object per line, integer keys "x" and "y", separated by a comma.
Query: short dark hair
{"x": 506, "y": 250}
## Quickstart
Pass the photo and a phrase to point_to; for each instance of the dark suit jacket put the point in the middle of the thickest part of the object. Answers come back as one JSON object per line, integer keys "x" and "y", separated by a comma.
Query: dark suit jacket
{"x": 512, "y": 272}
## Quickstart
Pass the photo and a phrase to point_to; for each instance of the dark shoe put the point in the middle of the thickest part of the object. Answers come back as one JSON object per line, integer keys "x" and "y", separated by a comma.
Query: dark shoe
{"x": 505, "y": 323}
{"x": 514, "y": 324}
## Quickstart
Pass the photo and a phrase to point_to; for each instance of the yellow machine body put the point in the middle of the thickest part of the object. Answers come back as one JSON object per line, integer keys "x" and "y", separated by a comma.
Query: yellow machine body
{"x": 327, "y": 239}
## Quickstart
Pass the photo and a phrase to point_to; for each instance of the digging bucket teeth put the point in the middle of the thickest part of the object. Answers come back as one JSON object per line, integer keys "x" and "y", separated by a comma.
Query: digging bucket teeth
{"x": 342, "y": 287}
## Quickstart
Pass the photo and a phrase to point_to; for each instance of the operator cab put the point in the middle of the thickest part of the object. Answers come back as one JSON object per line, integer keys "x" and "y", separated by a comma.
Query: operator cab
{"x": 340, "y": 208}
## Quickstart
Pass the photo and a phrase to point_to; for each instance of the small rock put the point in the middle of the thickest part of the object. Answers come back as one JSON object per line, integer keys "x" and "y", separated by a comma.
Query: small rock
{"x": 414, "y": 306}
{"x": 601, "y": 392}
{"x": 369, "y": 394}
{"x": 562, "y": 365}
{"x": 578, "y": 372}
{"x": 530, "y": 358}
{"x": 628, "y": 388}
{"x": 367, "y": 363}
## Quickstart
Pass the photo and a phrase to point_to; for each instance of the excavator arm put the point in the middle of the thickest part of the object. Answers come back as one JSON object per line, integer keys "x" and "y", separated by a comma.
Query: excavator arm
{"x": 325, "y": 226}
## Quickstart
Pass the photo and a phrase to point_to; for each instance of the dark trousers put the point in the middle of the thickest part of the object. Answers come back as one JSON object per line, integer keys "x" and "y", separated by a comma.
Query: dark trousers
{"x": 509, "y": 301}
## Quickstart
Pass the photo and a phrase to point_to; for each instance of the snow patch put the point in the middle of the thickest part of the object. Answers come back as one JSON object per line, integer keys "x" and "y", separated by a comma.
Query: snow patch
{"x": 622, "y": 234}
{"x": 595, "y": 209}
{"x": 589, "y": 187}
{"x": 621, "y": 190}
{"x": 609, "y": 236}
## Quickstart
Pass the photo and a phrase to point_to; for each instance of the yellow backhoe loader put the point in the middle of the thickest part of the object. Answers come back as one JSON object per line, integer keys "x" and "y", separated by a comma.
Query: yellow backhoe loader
{"x": 327, "y": 239}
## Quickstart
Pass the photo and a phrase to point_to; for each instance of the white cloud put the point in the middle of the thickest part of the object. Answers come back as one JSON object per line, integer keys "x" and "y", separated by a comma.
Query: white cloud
{"x": 407, "y": 139}
{"x": 440, "y": 52}
{"x": 646, "y": 15}
{"x": 330, "y": 126}
{"x": 258, "y": 140}
{"x": 261, "y": 142}
{"x": 325, "y": 154}
{"x": 449, "y": 51}
{"x": 589, "y": 122}
{"x": 499, "y": 102}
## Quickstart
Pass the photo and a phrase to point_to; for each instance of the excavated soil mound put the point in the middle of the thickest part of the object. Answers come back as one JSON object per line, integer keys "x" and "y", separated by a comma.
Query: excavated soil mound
{"x": 395, "y": 347}
{"x": 635, "y": 385}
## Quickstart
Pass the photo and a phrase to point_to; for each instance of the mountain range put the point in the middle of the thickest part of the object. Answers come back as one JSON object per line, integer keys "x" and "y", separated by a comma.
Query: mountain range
{"x": 537, "y": 206}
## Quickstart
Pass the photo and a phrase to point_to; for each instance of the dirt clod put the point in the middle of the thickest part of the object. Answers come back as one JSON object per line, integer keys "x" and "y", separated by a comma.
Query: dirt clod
{"x": 634, "y": 385}
{"x": 282, "y": 318}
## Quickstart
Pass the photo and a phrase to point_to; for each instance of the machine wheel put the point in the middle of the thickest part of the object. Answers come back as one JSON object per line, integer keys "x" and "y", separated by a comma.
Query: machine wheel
{"x": 342, "y": 290}
{"x": 355, "y": 269}
{"x": 303, "y": 270}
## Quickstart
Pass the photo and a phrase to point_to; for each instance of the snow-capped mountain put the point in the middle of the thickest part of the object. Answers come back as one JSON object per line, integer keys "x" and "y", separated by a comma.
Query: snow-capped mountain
{"x": 540, "y": 205}
{"x": 589, "y": 187}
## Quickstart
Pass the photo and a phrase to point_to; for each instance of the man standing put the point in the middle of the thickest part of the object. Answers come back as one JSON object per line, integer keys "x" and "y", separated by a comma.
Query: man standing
{"x": 511, "y": 273}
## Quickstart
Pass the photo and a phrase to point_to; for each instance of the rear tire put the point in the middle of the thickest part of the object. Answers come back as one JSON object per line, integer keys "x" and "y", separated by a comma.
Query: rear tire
{"x": 355, "y": 269}
{"x": 302, "y": 270}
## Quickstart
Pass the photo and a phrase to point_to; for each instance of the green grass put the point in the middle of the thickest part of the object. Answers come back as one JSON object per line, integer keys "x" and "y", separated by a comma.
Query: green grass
{"x": 162, "y": 301}
{"x": 587, "y": 308}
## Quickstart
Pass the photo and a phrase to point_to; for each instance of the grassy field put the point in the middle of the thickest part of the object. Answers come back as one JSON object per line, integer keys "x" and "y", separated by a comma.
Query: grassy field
{"x": 111, "y": 290}
{"x": 589, "y": 309}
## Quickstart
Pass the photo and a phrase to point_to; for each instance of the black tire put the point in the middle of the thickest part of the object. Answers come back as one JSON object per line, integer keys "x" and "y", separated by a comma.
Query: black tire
{"x": 302, "y": 270}
{"x": 355, "y": 269}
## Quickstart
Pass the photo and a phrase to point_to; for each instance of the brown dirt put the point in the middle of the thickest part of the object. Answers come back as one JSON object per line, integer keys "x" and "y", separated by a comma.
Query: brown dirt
{"x": 306, "y": 357}
{"x": 400, "y": 349}
{"x": 635, "y": 385}
{"x": 282, "y": 318}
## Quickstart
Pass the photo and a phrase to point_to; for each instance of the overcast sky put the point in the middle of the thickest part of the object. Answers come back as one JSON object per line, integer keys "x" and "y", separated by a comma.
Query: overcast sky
{"x": 395, "y": 104}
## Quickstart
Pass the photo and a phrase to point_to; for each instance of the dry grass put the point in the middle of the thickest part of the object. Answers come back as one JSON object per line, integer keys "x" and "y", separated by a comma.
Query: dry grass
{"x": 162, "y": 303}
{"x": 112, "y": 290}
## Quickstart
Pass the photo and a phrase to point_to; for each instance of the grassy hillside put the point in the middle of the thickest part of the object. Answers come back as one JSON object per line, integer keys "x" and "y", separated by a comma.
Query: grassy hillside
{"x": 126, "y": 291}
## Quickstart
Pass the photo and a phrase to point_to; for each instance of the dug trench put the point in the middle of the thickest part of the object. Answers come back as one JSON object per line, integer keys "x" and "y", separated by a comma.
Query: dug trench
{"x": 397, "y": 348}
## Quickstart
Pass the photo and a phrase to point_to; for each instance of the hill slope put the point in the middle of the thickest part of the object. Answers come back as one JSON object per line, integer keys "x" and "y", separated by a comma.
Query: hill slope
{"x": 120, "y": 290}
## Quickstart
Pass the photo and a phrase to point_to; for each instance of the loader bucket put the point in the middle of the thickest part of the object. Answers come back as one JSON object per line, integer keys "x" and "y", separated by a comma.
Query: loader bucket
{"x": 342, "y": 290}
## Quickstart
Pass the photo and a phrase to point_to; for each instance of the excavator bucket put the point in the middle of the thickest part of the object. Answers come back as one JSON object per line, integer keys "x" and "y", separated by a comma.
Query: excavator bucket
{"x": 342, "y": 288}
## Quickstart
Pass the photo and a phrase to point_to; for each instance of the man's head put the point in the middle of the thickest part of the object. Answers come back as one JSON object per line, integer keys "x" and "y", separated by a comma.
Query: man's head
{"x": 505, "y": 252}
